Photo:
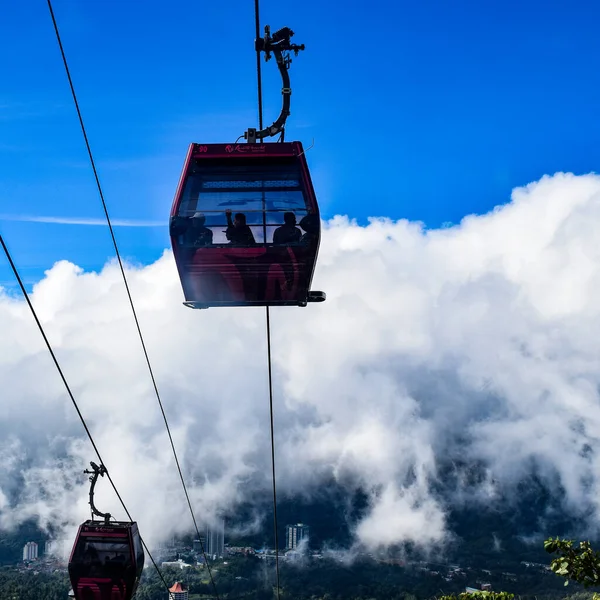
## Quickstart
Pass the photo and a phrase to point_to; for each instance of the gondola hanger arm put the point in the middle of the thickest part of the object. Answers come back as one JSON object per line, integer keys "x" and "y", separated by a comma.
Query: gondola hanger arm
{"x": 97, "y": 470}
{"x": 280, "y": 45}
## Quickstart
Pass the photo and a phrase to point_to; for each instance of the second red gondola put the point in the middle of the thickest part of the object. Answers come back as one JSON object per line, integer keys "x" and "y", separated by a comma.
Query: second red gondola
{"x": 107, "y": 561}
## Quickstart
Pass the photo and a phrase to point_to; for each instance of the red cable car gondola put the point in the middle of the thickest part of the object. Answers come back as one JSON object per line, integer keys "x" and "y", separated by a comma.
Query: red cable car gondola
{"x": 245, "y": 223}
{"x": 245, "y": 226}
{"x": 107, "y": 558}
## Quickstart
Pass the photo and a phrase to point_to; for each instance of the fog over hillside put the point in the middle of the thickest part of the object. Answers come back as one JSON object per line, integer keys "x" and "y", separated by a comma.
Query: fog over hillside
{"x": 477, "y": 342}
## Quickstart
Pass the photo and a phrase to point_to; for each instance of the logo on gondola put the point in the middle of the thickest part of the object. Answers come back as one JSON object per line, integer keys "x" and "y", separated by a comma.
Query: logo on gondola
{"x": 100, "y": 528}
{"x": 245, "y": 148}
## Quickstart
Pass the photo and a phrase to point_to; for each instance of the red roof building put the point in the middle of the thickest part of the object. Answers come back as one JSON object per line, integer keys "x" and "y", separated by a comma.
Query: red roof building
{"x": 178, "y": 592}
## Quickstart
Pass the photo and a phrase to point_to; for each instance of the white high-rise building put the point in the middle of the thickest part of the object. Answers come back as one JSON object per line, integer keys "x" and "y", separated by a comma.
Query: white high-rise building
{"x": 215, "y": 539}
{"x": 294, "y": 534}
{"x": 30, "y": 551}
{"x": 50, "y": 547}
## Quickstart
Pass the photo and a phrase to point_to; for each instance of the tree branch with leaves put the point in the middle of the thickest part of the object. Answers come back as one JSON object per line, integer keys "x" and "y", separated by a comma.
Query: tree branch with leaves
{"x": 580, "y": 564}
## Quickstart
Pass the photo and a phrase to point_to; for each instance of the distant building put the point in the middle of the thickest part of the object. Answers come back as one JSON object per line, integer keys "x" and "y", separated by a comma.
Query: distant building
{"x": 294, "y": 534}
{"x": 175, "y": 563}
{"x": 215, "y": 539}
{"x": 199, "y": 545}
{"x": 240, "y": 550}
{"x": 30, "y": 551}
{"x": 177, "y": 592}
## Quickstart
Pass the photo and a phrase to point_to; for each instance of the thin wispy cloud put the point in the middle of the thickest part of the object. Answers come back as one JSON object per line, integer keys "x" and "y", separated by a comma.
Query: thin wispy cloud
{"x": 10, "y": 110}
{"x": 82, "y": 221}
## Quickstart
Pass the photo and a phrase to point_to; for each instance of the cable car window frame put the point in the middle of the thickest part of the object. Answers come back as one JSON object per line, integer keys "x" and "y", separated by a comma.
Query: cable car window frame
{"x": 266, "y": 183}
{"x": 137, "y": 546}
{"x": 97, "y": 542}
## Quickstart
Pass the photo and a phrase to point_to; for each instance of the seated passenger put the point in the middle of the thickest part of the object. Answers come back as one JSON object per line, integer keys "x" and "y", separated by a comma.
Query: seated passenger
{"x": 197, "y": 234}
{"x": 237, "y": 232}
{"x": 90, "y": 556}
{"x": 178, "y": 225}
{"x": 191, "y": 230}
{"x": 310, "y": 224}
{"x": 288, "y": 233}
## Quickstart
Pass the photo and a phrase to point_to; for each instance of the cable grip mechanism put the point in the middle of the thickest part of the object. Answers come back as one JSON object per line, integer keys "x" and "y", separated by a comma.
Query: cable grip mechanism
{"x": 97, "y": 470}
{"x": 280, "y": 45}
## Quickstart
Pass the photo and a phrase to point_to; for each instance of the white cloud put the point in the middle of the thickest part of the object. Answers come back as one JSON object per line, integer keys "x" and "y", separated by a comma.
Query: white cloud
{"x": 408, "y": 515}
{"x": 484, "y": 331}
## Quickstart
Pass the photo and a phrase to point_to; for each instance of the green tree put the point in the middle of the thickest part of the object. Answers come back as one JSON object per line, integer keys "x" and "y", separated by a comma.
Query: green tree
{"x": 580, "y": 564}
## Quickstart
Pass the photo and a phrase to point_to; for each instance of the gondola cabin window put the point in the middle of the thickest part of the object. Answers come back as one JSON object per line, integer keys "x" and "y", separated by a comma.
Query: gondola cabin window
{"x": 254, "y": 199}
{"x": 104, "y": 551}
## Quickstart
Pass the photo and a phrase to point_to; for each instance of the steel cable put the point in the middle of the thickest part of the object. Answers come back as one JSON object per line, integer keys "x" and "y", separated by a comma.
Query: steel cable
{"x": 139, "y": 330}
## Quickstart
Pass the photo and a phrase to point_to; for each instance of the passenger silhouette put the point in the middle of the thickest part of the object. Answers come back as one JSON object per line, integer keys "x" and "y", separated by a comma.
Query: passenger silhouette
{"x": 191, "y": 230}
{"x": 310, "y": 224}
{"x": 237, "y": 232}
{"x": 197, "y": 234}
{"x": 287, "y": 233}
{"x": 90, "y": 555}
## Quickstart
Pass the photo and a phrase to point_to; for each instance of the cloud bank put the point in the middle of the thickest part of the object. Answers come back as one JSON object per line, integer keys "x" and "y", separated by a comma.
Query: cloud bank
{"x": 477, "y": 342}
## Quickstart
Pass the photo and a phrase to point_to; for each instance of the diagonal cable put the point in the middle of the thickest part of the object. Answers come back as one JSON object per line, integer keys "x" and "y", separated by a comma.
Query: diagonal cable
{"x": 64, "y": 380}
{"x": 137, "y": 324}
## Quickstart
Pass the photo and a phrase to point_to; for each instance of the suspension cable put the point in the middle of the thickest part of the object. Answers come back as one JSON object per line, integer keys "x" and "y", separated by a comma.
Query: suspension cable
{"x": 137, "y": 324}
{"x": 268, "y": 316}
{"x": 68, "y": 388}
{"x": 258, "y": 66}
{"x": 272, "y": 448}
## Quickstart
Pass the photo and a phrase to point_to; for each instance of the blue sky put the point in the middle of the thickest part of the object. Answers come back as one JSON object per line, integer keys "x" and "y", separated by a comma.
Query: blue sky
{"x": 427, "y": 111}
